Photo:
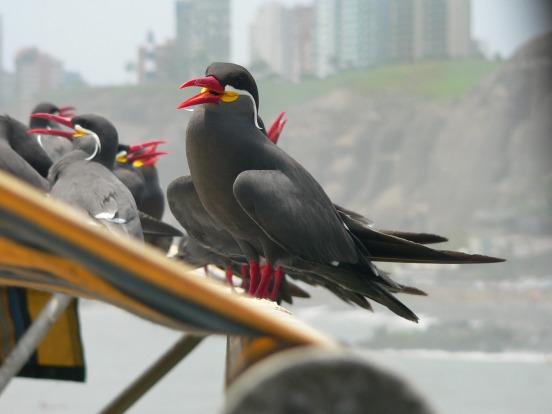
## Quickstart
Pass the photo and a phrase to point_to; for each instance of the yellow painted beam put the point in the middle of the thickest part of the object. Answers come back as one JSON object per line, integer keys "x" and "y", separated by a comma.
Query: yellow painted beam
{"x": 144, "y": 263}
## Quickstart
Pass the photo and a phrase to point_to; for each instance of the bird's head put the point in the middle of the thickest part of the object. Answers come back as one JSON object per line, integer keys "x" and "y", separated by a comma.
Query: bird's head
{"x": 139, "y": 155}
{"x": 97, "y": 128}
{"x": 225, "y": 84}
{"x": 49, "y": 108}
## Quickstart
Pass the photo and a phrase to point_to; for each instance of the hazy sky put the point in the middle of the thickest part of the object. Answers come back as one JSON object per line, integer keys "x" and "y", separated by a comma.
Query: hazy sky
{"x": 98, "y": 38}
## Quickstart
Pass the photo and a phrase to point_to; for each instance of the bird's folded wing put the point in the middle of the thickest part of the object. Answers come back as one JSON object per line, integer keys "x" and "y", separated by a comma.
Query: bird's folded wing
{"x": 153, "y": 226}
{"x": 190, "y": 213}
{"x": 295, "y": 216}
{"x": 388, "y": 248}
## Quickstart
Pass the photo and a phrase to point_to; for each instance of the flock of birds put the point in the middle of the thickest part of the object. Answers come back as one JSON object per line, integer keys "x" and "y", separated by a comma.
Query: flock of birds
{"x": 247, "y": 206}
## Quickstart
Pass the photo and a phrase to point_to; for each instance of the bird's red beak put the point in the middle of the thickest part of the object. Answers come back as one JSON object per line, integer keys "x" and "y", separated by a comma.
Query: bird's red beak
{"x": 57, "y": 132}
{"x": 144, "y": 145}
{"x": 145, "y": 158}
{"x": 67, "y": 111}
{"x": 145, "y": 155}
{"x": 56, "y": 118}
{"x": 211, "y": 93}
{"x": 150, "y": 161}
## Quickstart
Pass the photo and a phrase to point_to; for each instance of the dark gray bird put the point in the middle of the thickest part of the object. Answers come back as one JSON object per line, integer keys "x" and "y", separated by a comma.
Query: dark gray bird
{"x": 84, "y": 179}
{"x": 133, "y": 169}
{"x": 12, "y": 163}
{"x": 154, "y": 199}
{"x": 273, "y": 207}
{"x": 136, "y": 169}
{"x": 189, "y": 212}
{"x": 14, "y": 133}
{"x": 208, "y": 243}
{"x": 29, "y": 151}
{"x": 54, "y": 146}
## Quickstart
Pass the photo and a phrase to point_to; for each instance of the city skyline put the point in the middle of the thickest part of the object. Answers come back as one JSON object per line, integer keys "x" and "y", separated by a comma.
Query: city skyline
{"x": 100, "y": 52}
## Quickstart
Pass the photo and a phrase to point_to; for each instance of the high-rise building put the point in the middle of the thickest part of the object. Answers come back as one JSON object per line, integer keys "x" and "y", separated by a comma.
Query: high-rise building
{"x": 147, "y": 60}
{"x": 459, "y": 43}
{"x": 1, "y": 46}
{"x": 7, "y": 89}
{"x": 281, "y": 42}
{"x": 402, "y": 37}
{"x": 361, "y": 33}
{"x": 269, "y": 41}
{"x": 302, "y": 49}
{"x": 37, "y": 73}
{"x": 326, "y": 37}
{"x": 202, "y": 35}
{"x": 157, "y": 63}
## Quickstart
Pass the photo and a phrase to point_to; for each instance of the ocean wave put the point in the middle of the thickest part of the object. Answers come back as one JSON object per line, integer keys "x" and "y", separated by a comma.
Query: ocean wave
{"x": 468, "y": 356}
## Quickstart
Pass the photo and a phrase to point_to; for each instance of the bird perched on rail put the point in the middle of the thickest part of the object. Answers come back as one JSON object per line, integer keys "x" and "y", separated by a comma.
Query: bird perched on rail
{"x": 225, "y": 252}
{"x": 274, "y": 208}
{"x": 204, "y": 232}
{"x": 83, "y": 177}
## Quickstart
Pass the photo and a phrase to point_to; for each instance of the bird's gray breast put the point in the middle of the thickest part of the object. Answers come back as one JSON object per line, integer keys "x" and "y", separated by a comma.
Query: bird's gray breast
{"x": 218, "y": 148}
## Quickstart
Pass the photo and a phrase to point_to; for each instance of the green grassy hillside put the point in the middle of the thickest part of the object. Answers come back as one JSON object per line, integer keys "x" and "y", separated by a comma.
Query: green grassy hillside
{"x": 425, "y": 80}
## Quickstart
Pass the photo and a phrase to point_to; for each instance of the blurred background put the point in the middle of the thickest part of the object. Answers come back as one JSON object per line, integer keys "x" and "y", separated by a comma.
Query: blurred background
{"x": 425, "y": 115}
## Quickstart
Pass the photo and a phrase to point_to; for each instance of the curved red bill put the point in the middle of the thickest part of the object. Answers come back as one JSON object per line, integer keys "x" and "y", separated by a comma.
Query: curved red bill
{"x": 212, "y": 91}
{"x": 56, "y": 132}
{"x": 56, "y": 118}
{"x": 143, "y": 145}
{"x": 67, "y": 111}
{"x": 150, "y": 161}
{"x": 145, "y": 155}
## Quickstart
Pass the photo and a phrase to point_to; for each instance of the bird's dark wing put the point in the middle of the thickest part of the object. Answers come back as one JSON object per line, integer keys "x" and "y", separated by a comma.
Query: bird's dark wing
{"x": 422, "y": 238}
{"x": 133, "y": 180}
{"x": 352, "y": 218}
{"x": 388, "y": 248}
{"x": 197, "y": 255}
{"x": 190, "y": 213}
{"x": 352, "y": 215}
{"x": 153, "y": 226}
{"x": 295, "y": 216}
{"x": 25, "y": 145}
{"x": 104, "y": 197}
{"x": 154, "y": 199}
{"x": 12, "y": 163}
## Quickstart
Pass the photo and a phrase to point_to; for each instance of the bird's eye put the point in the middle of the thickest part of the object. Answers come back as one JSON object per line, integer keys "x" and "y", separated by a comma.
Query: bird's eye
{"x": 239, "y": 82}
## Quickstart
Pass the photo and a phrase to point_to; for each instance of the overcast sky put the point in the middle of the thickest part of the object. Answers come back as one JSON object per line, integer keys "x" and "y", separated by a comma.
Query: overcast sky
{"x": 97, "y": 38}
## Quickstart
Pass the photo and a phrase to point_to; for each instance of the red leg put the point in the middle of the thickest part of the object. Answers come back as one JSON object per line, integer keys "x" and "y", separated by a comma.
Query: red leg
{"x": 277, "y": 280}
{"x": 253, "y": 276}
{"x": 230, "y": 276}
{"x": 266, "y": 276}
{"x": 244, "y": 270}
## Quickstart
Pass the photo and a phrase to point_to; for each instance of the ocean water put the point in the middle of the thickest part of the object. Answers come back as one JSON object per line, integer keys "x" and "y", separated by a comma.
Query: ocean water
{"x": 119, "y": 346}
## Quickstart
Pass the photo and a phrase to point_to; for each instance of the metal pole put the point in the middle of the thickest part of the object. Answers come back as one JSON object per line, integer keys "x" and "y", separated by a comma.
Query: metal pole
{"x": 152, "y": 375}
{"x": 32, "y": 337}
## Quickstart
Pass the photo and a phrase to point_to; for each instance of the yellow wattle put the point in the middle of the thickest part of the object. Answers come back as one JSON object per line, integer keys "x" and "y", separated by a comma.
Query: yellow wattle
{"x": 230, "y": 96}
